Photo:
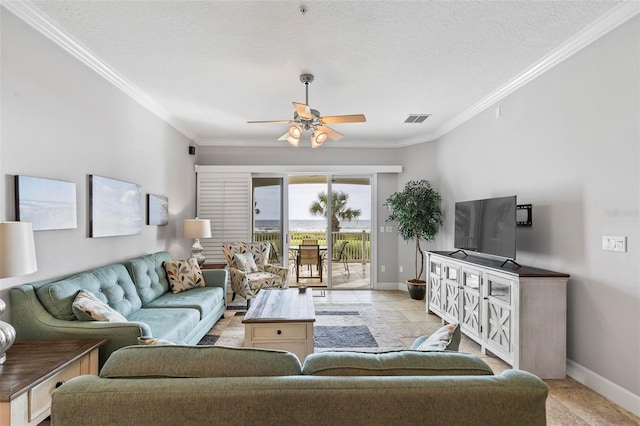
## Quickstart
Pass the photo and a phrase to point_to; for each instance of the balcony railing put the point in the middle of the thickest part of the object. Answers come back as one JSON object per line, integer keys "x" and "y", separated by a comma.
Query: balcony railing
{"x": 358, "y": 249}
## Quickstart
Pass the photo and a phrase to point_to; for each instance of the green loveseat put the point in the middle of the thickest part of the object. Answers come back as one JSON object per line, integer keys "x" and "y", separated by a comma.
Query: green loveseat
{"x": 137, "y": 288}
{"x": 196, "y": 385}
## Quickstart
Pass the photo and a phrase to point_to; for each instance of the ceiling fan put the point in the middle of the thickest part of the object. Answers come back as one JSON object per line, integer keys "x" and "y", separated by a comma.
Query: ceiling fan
{"x": 305, "y": 118}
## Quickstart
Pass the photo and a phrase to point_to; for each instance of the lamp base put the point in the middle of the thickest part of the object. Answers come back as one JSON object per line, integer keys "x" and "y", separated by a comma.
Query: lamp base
{"x": 196, "y": 252}
{"x": 7, "y": 335}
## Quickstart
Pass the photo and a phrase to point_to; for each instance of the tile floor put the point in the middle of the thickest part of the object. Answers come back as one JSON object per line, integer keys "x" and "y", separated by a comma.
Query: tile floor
{"x": 569, "y": 402}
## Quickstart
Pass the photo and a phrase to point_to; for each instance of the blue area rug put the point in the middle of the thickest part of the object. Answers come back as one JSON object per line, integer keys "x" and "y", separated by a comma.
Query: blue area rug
{"x": 356, "y": 336}
{"x": 337, "y": 313}
{"x": 208, "y": 340}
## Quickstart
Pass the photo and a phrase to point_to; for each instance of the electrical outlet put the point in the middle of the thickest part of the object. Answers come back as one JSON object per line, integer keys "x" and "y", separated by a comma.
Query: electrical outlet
{"x": 612, "y": 243}
{"x": 401, "y": 269}
{"x": 382, "y": 229}
{"x": 389, "y": 228}
{"x": 382, "y": 268}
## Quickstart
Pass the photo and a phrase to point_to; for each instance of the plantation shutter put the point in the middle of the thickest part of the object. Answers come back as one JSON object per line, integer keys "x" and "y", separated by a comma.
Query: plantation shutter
{"x": 224, "y": 199}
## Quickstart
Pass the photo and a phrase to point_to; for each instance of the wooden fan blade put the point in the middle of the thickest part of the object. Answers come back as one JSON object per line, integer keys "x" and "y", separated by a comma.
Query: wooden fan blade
{"x": 272, "y": 121}
{"x": 303, "y": 110}
{"x": 334, "y": 119}
{"x": 333, "y": 135}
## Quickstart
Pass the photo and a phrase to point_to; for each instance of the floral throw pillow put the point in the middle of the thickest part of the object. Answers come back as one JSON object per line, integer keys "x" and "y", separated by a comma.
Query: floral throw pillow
{"x": 87, "y": 307}
{"x": 184, "y": 274}
{"x": 154, "y": 341}
{"x": 246, "y": 262}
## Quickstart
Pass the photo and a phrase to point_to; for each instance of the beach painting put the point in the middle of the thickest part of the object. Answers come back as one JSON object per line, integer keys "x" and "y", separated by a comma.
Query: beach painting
{"x": 157, "y": 209}
{"x": 115, "y": 207}
{"x": 47, "y": 203}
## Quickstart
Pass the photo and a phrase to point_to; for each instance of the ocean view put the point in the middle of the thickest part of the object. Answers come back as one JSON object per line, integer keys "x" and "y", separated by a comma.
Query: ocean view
{"x": 312, "y": 225}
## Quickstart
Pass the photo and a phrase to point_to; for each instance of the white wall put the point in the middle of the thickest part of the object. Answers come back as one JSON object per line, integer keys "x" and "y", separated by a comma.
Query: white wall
{"x": 60, "y": 120}
{"x": 568, "y": 143}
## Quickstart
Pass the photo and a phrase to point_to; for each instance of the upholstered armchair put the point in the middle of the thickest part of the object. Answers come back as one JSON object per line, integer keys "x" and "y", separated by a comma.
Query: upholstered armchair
{"x": 249, "y": 271}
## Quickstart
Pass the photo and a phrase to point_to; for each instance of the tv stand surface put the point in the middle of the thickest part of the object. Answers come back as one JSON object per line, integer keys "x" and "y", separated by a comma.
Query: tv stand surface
{"x": 518, "y": 313}
{"x": 501, "y": 266}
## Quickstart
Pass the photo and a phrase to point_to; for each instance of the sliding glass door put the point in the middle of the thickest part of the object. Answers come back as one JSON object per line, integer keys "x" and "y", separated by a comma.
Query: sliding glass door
{"x": 350, "y": 260}
{"x": 268, "y": 218}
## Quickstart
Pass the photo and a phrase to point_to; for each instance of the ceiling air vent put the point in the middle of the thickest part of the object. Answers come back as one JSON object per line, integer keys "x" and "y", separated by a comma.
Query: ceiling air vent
{"x": 417, "y": 118}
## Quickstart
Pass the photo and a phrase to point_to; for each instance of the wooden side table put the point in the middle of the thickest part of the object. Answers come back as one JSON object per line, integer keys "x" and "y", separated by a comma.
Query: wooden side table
{"x": 34, "y": 368}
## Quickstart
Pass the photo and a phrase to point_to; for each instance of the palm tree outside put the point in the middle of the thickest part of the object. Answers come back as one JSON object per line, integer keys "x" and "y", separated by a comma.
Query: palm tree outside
{"x": 339, "y": 209}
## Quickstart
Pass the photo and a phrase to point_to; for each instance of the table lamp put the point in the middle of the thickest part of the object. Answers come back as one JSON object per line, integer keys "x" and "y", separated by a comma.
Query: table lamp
{"x": 17, "y": 257}
{"x": 197, "y": 228}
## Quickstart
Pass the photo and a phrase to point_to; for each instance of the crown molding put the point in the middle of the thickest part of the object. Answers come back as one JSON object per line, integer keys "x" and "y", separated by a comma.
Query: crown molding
{"x": 614, "y": 18}
{"x": 29, "y": 13}
{"x": 303, "y": 144}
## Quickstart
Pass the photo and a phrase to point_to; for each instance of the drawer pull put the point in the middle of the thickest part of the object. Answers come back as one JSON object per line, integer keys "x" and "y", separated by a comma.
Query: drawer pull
{"x": 58, "y": 384}
{"x": 279, "y": 331}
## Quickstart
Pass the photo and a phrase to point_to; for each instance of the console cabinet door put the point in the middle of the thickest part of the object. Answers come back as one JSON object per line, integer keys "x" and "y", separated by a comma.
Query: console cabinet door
{"x": 499, "y": 315}
{"x": 470, "y": 302}
{"x": 435, "y": 285}
{"x": 451, "y": 299}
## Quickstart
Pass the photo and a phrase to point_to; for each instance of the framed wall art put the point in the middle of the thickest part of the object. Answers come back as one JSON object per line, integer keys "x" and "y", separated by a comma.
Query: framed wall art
{"x": 115, "y": 207}
{"x": 157, "y": 209}
{"x": 47, "y": 203}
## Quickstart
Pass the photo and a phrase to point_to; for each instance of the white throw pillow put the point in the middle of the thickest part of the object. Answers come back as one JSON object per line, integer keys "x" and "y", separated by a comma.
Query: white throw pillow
{"x": 87, "y": 307}
{"x": 440, "y": 340}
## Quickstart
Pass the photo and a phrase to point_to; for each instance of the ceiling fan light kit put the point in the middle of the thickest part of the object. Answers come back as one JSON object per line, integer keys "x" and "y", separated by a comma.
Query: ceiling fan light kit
{"x": 305, "y": 118}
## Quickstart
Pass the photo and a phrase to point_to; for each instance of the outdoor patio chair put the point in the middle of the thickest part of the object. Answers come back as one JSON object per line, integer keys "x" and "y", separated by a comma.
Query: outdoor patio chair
{"x": 309, "y": 255}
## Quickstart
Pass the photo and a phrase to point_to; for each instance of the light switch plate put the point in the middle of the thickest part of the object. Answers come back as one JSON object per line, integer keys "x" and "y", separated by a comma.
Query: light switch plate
{"x": 614, "y": 243}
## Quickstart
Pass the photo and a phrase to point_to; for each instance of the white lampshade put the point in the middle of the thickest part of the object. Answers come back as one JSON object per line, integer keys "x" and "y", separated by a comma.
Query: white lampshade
{"x": 17, "y": 249}
{"x": 196, "y": 228}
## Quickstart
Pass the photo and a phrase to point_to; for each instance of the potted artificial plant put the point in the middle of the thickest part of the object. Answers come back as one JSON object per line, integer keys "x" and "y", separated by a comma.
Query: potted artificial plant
{"x": 416, "y": 210}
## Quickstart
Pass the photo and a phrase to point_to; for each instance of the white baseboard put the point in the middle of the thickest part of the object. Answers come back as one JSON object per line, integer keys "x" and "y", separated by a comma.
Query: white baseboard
{"x": 604, "y": 387}
{"x": 391, "y": 286}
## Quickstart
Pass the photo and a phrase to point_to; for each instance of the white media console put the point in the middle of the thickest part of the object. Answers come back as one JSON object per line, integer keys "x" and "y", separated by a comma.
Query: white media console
{"x": 518, "y": 313}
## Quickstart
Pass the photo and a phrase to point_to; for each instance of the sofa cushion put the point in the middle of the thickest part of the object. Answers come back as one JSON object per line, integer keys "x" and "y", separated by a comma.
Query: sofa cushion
{"x": 112, "y": 284}
{"x": 396, "y": 363}
{"x": 203, "y": 361}
{"x": 172, "y": 324}
{"x": 149, "y": 276}
{"x": 446, "y": 338}
{"x": 184, "y": 274}
{"x": 204, "y": 299}
{"x": 87, "y": 307}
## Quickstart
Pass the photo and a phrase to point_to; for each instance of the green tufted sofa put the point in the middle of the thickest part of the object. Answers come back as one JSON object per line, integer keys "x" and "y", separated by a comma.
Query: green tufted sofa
{"x": 137, "y": 288}
{"x": 180, "y": 385}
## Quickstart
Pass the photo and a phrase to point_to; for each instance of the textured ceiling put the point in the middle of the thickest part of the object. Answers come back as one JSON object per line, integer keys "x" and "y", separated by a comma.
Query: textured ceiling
{"x": 213, "y": 65}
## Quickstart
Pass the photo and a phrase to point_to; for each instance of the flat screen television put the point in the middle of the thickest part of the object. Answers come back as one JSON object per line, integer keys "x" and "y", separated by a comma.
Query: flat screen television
{"x": 487, "y": 226}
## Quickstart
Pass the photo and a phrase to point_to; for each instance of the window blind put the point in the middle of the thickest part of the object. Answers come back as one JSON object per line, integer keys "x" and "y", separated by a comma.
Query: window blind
{"x": 224, "y": 199}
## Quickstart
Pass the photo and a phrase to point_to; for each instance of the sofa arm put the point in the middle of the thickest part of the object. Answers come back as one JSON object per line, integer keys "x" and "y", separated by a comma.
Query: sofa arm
{"x": 281, "y": 271}
{"x": 217, "y": 278}
{"x": 32, "y": 322}
{"x": 240, "y": 283}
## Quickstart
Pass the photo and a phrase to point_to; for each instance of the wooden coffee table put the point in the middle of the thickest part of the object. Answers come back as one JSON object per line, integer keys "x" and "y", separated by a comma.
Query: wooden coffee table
{"x": 281, "y": 319}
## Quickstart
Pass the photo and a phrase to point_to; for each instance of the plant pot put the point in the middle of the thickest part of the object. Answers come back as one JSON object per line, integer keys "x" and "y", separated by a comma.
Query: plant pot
{"x": 417, "y": 289}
